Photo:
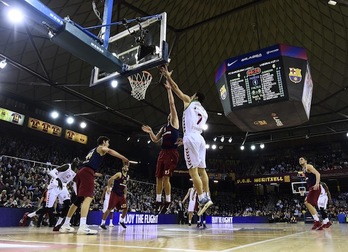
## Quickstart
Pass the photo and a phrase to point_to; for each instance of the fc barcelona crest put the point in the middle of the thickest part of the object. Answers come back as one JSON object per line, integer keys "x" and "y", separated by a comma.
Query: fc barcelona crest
{"x": 295, "y": 74}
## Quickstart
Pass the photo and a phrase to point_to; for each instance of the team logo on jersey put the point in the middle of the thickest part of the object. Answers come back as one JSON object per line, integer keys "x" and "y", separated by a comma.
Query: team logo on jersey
{"x": 223, "y": 92}
{"x": 295, "y": 75}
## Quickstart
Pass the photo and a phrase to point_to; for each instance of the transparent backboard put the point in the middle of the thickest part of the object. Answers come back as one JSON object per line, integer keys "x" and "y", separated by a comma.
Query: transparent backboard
{"x": 299, "y": 187}
{"x": 140, "y": 47}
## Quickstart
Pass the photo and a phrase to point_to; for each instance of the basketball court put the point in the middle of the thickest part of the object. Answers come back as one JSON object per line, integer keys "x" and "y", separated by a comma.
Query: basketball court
{"x": 217, "y": 237}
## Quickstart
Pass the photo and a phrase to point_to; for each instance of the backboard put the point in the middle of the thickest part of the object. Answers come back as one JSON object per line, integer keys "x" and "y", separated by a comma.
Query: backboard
{"x": 140, "y": 47}
{"x": 299, "y": 188}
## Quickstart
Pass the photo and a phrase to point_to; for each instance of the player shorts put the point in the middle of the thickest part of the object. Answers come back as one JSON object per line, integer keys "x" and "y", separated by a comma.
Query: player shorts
{"x": 194, "y": 150}
{"x": 54, "y": 192}
{"x": 191, "y": 206}
{"x": 117, "y": 201}
{"x": 313, "y": 196}
{"x": 166, "y": 162}
{"x": 323, "y": 198}
{"x": 85, "y": 182}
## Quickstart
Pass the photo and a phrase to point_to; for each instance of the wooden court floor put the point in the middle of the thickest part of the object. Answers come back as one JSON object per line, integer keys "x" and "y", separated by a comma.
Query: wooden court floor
{"x": 217, "y": 237}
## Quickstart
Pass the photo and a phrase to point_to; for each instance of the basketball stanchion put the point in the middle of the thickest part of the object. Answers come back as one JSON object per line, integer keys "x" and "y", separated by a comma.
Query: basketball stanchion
{"x": 139, "y": 83}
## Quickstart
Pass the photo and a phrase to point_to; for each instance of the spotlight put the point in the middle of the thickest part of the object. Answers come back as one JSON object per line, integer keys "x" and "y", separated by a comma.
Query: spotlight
{"x": 70, "y": 120}
{"x": 242, "y": 147}
{"x": 15, "y": 15}
{"x": 128, "y": 138}
{"x": 148, "y": 141}
{"x": 83, "y": 125}
{"x": 205, "y": 126}
{"x": 262, "y": 146}
{"x": 252, "y": 147}
{"x": 213, "y": 146}
{"x": 3, "y": 64}
{"x": 222, "y": 139}
{"x": 230, "y": 140}
{"x": 54, "y": 114}
{"x": 114, "y": 83}
{"x": 207, "y": 146}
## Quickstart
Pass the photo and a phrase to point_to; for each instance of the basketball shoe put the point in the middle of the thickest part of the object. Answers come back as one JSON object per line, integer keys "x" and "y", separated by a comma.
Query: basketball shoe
{"x": 325, "y": 226}
{"x": 102, "y": 227}
{"x": 316, "y": 225}
{"x": 66, "y": 228}
{"x": 86, "y": 230}
{"x": 24, "y": 219}
{"x": 205, "y": 203}
{"x": 122, "y": 224}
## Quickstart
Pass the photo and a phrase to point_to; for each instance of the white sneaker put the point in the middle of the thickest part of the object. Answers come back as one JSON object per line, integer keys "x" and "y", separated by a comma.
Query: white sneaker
{"x": 111, "y": 225}
{"x": 66, "y": 228}
{"x": 86, "y": 230}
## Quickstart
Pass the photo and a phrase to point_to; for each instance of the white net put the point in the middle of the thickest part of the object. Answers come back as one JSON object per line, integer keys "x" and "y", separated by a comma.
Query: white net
{"x": 139, "y": 83}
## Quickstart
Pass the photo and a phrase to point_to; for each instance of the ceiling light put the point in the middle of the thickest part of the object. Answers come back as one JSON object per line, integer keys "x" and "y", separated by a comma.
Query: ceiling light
{"x": 252, "y": 147}
{"x": 138, "y": 140}
{"x": 213, "y": 146}
{"x": 332, "y": 2}
{"x": 70, "y": 120}
{"x": 219, "y": 114}
{"x": 128, "y": 138}
{"x": 205, "y": 126}
{"x": 148, "y": 141}
{"x": 83, "y": 125}
{"x": 54, "y": 114}
{"x": 3, "y": 64}
{"x": 242, "y": 147}
{"x": 215, "y": 181}
{"x": 222, "y": 139}
{"x": 215, "y": 138}
{"x": 114, "y": 83}
{"x": 15, "y": 15}
{"x": 262, "y": 146}
{"x": 207, "y": 146}
{"x": 230, "y": 140}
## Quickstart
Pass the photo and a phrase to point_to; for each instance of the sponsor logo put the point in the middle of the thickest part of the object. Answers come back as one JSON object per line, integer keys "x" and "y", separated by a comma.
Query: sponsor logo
{"x": 230, "y": 64}
{"x": 273, "y": 51}
{"x": 295, "y": 75}
{"x": 252, "y": 57}
{"x": 223, "y": 92}
{"x": 260, "y": 123}
{"x": 98, "y": 48}
{"x": 278, "y": 122}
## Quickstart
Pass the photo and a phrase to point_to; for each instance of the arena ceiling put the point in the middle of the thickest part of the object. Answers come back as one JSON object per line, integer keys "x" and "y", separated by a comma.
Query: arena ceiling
{"x": 201, "y": 35}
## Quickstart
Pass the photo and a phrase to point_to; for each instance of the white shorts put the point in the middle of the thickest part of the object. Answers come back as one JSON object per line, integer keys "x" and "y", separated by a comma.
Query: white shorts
{"x": 194, "y": 150}
{"x": 191, "y": 206}
{"x": 323, "y": 198}
{"x": 54, "y": 193}
{"x": 106, "y": 202}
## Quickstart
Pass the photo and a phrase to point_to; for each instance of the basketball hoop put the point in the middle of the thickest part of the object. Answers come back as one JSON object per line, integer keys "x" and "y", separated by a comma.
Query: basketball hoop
{"x": 139, "y": 83}
{"x": 302, "y": 191}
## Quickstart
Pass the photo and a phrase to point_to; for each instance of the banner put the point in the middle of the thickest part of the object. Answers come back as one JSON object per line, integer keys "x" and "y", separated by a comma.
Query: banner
{"x": 45, "y": 127}
{"x": 263, "y": 180}
{"x": 11, "y": 116}
{"x": 76, "y": 137}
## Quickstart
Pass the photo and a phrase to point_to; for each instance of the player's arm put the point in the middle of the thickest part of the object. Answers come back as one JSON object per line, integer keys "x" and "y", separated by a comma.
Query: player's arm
{"x": 311, "y": 169}
{"x": 168, "y": 75}
{"x": 115, "y": 154}
{"x": 327, "y": 192}
{"x": 174, "y": 114}
{"x": 112, "y": 179}
{"x": 186, "y": 196}
{"x": 154, "y": 138}
{"x": 63, "y": 167}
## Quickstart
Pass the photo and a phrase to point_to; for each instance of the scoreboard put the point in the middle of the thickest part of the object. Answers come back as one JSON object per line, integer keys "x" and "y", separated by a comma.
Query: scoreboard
{"x": 266, "y": 89}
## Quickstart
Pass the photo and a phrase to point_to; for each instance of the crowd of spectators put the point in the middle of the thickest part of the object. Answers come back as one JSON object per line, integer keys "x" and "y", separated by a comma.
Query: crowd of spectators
{"x": 23, "y": 178}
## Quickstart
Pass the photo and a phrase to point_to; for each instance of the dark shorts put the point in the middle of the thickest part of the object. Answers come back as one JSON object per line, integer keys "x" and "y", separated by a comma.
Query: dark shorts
{"x": 166, "y": 162}
{"x": 85, "y": 182}
{"x": 313, "y": 195}
{"x": 117, "y": 201}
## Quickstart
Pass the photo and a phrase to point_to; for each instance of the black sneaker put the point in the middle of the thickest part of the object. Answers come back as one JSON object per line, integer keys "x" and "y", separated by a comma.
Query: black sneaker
{"x": 102, "y": 227}
{"x": 199, "y": 224}
{"x": 204, "y": 226}
{"x": 122, "y": 224}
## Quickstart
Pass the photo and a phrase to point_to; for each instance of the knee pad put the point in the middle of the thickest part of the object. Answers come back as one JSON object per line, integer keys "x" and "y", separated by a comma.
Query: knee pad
{"x": 78, "y": 201}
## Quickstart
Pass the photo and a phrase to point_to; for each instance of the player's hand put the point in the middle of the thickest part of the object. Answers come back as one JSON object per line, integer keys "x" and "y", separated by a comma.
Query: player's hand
{"x": 97, "y": 174}
{"x": 146, "y": 128}
{"x": 179, "y": 142}
{"x": 125, "y": 161}
{"x": 167, "y": 85}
